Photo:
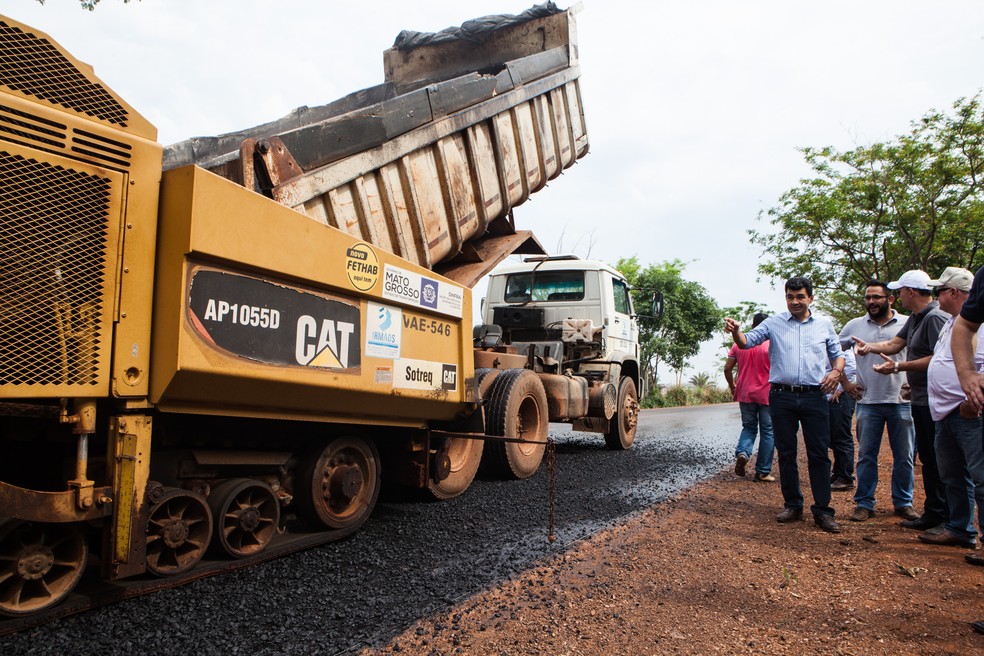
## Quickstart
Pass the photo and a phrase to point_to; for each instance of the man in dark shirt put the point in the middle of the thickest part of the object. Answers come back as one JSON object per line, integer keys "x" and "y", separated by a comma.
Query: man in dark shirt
{"x": 918, "y": 336}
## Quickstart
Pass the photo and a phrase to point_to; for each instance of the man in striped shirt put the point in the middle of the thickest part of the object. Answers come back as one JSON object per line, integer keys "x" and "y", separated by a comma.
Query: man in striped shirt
{"x": 801, "y": 345}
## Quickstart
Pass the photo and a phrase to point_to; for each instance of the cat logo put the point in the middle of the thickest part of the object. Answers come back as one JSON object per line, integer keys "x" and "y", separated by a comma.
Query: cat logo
{"x": 324, "y": 345}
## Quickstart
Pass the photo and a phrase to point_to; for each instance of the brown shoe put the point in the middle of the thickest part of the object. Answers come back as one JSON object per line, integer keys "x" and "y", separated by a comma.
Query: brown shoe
{"x": 947, "y": 538}
{"x": 789, "y": 515}
{"x": 764, "y": 478}
{"x": 827, "y": 523}
{"x": 907, "y": 512}
{"x": 740, "y": 464}
{"x": 862, "y": 514}
{"x": 975, "y": 559}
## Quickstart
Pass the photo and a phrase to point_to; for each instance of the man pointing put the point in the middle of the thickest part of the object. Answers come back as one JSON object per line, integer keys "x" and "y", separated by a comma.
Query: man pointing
{"x": 800, "y": 347}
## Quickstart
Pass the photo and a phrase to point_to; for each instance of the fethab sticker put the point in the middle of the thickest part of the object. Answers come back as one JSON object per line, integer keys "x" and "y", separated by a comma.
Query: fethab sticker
{"x": 275, "y": 324}
{"x": 425, "y": 375}
{"x": 362, "y": 266}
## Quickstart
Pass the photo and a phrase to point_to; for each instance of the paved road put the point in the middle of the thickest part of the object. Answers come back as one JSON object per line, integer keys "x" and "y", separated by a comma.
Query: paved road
{"x": 411, "y": 558}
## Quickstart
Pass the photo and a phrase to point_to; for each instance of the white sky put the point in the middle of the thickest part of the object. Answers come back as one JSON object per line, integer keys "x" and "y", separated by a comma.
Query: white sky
{"x": 694, "y": 108}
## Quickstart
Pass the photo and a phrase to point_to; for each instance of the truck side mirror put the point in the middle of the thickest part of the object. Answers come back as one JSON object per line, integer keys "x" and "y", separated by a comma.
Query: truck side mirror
{"x": 655, "y": 308}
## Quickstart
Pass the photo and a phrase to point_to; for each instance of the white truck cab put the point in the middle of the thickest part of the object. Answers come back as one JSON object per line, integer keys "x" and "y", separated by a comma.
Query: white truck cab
{"x": 570, "y": 318}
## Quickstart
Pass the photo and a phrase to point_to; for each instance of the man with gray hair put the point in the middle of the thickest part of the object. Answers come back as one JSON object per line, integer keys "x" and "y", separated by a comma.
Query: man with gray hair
{"x": 959, "y": 447}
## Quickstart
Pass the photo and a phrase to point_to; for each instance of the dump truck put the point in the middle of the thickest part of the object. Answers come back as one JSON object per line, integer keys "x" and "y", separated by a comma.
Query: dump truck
{"x": 572, "y": 322}
{"x": 212, "y": 353}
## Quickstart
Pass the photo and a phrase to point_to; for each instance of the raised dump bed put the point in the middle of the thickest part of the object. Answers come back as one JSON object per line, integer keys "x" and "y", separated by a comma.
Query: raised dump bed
{"x": 430, "y": 164}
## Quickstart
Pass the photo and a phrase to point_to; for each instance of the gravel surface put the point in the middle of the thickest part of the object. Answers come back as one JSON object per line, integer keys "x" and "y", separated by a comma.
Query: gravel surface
{"x": 712, "y": 572}
{"x": 412, "y": 559}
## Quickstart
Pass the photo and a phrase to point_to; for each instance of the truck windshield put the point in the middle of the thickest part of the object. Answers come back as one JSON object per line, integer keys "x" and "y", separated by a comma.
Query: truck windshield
{"x": 545, "y": 286}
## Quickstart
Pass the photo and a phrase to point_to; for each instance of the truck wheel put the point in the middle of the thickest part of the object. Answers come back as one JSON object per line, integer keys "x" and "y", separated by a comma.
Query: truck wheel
{"x": 465, "y": 455}
{"x": 516, "y": 407}
{"x": 337, "y": 486}
{"x": 483, "y": 380}
{"x": 623, "y": 424}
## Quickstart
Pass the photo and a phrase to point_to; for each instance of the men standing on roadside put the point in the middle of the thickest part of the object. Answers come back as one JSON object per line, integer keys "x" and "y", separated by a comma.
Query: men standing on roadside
{"x": 880, "y": 405}
{"x": 918, "y": 336}
{"x": 842, "y": 401}
{"x": 751, "y": 391}
{"x": 959, "y": 444}
{"x": 800, "y": 346}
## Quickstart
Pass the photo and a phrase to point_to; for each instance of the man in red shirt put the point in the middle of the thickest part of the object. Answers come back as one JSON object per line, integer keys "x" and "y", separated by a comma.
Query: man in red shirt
{"x": 752, "y": 393}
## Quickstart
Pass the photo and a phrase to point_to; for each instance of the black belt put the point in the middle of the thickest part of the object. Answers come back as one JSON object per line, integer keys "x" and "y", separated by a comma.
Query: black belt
{"x": 797, "y": 389}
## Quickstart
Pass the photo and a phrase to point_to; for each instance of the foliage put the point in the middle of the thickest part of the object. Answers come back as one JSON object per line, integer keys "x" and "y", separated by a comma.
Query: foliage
{"x": 881, "y": 209}
{"x": 690, "y": 315}
{"x": 700, "y": 380}
{"x": 743, "y": 313}
{"x": 680, "y": 395}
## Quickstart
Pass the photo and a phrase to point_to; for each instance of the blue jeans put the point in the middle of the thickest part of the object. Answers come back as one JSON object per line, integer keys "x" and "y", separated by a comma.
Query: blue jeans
{"x": 809, "y": 410}
{"x": 960, "y": 458}
{"x": 872, "y": 419}
{"x": 756, "y": 419}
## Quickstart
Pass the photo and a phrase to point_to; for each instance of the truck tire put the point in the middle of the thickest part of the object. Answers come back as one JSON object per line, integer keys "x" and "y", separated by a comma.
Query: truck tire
{"x": 516, "y": 406}
{"x": 483, "y": 380}
{"x": 338, "y": 484}
{"x": 623, "y": 424}
{"x": 465, "y": 455}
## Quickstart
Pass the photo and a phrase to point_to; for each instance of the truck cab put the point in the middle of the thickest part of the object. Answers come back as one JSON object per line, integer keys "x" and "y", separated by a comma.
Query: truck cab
{"x": 572, "y": 318}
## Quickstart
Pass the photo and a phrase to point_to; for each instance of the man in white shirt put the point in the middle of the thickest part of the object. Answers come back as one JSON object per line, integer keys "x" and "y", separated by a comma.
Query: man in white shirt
{"x": 959, "y": 447}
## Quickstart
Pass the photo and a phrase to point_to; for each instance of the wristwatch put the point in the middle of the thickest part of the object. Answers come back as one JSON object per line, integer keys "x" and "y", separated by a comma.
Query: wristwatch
{"x": 895, "y": 368}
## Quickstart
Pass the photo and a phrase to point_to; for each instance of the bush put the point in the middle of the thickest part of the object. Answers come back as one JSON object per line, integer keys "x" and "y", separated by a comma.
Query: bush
{"x": 681, "y": 395}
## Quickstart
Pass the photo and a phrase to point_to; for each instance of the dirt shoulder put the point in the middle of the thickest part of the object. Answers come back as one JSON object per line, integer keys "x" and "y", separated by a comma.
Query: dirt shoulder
{"x": 711, "y": 571}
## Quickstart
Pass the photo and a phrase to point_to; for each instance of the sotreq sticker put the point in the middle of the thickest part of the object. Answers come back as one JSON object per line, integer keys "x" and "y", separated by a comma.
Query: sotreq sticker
{"x": 425, "y": 375}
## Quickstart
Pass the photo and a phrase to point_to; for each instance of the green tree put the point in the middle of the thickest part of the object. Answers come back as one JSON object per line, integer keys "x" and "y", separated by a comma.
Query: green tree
{"x": 879, "y": 210}
{"x": 690, "y": 315}
{"x": 700, "y": 380}
{"x": 743, "y": 313}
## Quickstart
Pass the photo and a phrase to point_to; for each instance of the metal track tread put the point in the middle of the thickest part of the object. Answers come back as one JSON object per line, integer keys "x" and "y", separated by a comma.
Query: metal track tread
{"x": 93, "y": 592}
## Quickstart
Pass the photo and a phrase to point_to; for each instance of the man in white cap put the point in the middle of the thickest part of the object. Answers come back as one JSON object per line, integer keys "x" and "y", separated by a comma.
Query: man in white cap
{"x": 959, "y": 447}
{"x": 918, "y": 336}
{"x": 880, "y": 406}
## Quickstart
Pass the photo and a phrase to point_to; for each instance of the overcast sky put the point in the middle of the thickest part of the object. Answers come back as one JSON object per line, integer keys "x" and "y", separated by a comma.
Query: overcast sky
{"x": 695, "y": 109}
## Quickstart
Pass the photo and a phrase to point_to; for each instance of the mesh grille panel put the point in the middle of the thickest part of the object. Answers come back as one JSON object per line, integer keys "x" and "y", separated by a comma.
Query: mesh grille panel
{"x": 53, "y": 263}
{"x": 35, "y": 67}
